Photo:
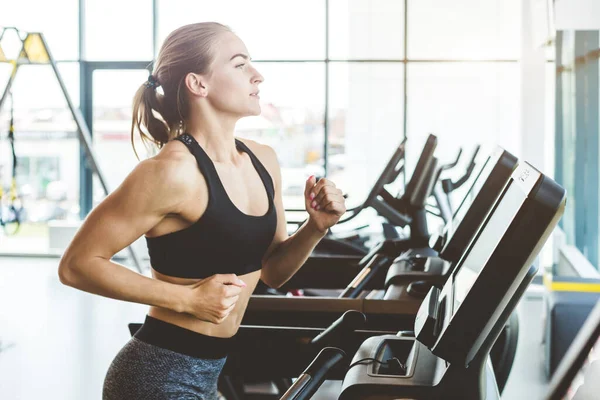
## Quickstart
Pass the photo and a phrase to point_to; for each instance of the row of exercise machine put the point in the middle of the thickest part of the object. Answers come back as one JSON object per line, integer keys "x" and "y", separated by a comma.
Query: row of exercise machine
{"x": 429, "y": 316}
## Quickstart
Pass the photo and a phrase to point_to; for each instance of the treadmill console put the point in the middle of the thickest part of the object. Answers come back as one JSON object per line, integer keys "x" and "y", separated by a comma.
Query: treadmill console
{"x": 495, "y": 265}
{"x": 456, "y": 327}
{"x": 475, "y": 206}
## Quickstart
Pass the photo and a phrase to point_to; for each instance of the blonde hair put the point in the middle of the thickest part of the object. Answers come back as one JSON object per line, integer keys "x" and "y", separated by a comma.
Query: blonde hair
{"x": 189, "y": 48}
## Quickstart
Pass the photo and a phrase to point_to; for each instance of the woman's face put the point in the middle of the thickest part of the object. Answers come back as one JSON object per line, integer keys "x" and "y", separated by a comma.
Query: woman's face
{"x": 233, "y": 83}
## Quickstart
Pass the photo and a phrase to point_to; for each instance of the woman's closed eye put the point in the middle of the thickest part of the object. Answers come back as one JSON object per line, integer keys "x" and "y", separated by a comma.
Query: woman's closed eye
{"x": 240, "y": 65}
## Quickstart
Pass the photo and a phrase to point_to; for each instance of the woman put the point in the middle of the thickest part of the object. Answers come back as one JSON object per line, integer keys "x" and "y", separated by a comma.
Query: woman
{"x": 211, "y": 210}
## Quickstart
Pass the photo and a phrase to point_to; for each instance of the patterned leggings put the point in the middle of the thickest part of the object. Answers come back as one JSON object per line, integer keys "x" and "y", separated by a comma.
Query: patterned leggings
{"x": 143, "y": 370}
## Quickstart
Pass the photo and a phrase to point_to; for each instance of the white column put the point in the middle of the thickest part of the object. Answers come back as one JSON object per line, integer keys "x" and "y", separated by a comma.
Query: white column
{"x": 534, "y": 138}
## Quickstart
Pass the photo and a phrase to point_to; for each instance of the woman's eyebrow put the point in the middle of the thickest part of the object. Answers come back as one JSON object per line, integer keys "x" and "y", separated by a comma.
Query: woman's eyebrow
{"x": 244, "y": 56}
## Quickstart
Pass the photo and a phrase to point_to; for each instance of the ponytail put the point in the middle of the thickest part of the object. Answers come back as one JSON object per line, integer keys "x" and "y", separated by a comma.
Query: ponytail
{"x": 150, "y": 128}
{"x": 159, "y": 117}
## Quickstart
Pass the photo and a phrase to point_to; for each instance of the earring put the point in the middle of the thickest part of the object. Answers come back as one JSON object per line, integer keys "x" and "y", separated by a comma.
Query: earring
{"x": 180, "y": 128}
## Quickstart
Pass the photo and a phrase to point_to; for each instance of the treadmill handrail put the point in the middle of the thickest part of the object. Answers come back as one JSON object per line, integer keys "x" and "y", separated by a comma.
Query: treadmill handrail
{"x": 350, "y": 321}
{"x": 449, "y": 185}
{"x": 453, "y": 164}
{"x": 315, "y": 374}
{"x": 388, "y": 172}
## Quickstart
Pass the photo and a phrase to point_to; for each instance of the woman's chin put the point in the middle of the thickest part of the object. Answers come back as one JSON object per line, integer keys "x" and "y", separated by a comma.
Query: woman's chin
{"x": 255, "y": 112}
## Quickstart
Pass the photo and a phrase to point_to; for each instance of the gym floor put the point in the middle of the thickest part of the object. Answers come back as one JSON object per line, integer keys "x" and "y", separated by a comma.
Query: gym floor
{"x": 64, "y": 355}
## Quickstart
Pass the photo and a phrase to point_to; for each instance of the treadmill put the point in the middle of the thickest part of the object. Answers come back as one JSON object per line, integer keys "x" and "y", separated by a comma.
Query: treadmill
{"x": 427, "y": 266}
{"x": 408, "y": 208}
{"x": 578, "y": 374}
{"x": 372, "y": 274}
{"x": 447, "y": 355}
{"x": 395, "y": 307}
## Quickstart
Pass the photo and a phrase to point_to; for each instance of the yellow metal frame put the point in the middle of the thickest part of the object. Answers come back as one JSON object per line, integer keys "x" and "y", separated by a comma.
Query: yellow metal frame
{"x": 566, "y": 286}
{"x": 33, "y": 50}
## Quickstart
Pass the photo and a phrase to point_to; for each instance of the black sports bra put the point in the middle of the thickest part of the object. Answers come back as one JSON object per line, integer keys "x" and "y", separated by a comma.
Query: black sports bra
{"x": 224, "y": 240}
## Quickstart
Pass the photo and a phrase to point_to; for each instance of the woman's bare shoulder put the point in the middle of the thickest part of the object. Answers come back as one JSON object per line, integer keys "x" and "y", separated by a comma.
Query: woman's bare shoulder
{"x": 169, "y": 170}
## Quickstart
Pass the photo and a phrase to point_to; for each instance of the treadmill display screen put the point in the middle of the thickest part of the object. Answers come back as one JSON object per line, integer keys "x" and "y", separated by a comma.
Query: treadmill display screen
{"x": 584, "y": 385}
{"x": 482, "y": 249}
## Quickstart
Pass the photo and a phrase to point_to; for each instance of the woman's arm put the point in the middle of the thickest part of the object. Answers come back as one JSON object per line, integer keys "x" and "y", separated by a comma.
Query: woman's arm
{"x": 153, "y": 189}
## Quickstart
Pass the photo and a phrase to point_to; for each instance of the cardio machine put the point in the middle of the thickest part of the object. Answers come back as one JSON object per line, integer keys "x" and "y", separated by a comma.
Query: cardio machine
{"x": 371, "y": 279}
{"x": 447, "y": 354}
{"x": 403, "y": 210}
{"x": 456, "y": 326}
{"x": 396, "y": 305}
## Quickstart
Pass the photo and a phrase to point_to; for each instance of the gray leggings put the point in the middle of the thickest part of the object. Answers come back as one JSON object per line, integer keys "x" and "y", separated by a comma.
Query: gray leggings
{"x": 143, "y": 370}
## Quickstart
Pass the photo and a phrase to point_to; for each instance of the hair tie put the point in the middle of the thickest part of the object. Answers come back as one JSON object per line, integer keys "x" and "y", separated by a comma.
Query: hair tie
{"x": 152, "y": 82}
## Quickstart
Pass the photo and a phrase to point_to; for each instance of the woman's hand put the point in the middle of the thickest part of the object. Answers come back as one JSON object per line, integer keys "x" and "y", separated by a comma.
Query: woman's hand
{"x": 212, "y": 299}
{"x": 324, "y": 202}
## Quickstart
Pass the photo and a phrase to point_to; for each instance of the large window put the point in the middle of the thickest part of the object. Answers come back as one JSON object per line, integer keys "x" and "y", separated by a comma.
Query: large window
{"x": 118, "y": 30}
{"x": 365, "y": 123}
{"x": 40, "y": 16}
{"x": 271, "y": 29}
{"x": 577, "y": 143}
{"x": 333, "y": 100}
{"x": 112, "y": 113}
{"x": 463, "y": 104}
{"x": 46, "y": 147}
{"x": 366, "y": 29}
{"x": 464, "y": 29}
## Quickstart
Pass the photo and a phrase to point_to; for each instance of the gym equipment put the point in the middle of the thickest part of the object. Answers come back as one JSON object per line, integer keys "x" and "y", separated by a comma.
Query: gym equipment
{"x": 409, "y": 209}
{"x": 399, "y": 211}
{"x": 416, "y": 264}
{"x": 400, "y": 300}
{"x": 444, "y": 187}
{"x": 457, "y": 325}
{"x": 35, "y": 51}
{"x": 11, "y": 222}
{"x": 577, "y": 374}
{"x": 432, "y": 264}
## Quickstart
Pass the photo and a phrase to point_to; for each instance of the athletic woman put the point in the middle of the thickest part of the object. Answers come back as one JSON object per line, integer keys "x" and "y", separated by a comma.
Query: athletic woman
{"x": 210, "y": 207}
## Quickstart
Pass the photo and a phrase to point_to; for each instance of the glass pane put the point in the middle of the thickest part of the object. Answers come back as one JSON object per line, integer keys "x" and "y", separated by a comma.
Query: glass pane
{"x": 464, "y": 29}
{"x": 118, "y": 30}
{"x": 365, "y": 123}
{"x": 47, "y": 150}
{"x": 366, "y": 29}
{"x": 271, "y": 29}
{"x": 567, "y": 80}
{"x": 113, "y": 95}
{"x": 549, "y": 122}
{"x": 291, "y": 122}
{"x": 463, "y": 104}
{"x": 31, "y": 80}
{"x": 34, "y": 16}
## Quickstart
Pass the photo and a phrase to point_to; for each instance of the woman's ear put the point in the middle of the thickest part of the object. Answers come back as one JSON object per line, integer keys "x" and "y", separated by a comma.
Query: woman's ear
{"x": 196, "y": 84}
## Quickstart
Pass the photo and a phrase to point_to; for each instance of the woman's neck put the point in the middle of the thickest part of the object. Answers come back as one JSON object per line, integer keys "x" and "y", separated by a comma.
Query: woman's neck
{"x": 216, "y": 137}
